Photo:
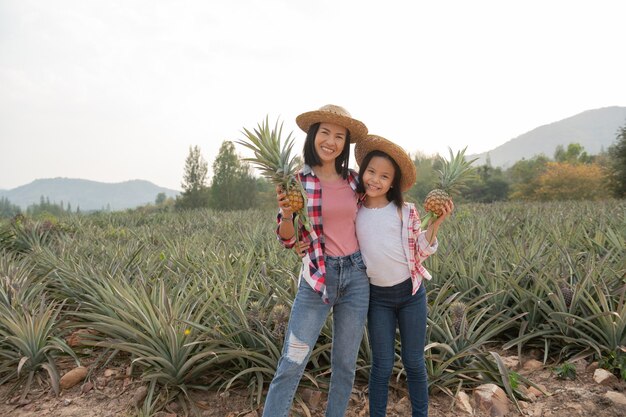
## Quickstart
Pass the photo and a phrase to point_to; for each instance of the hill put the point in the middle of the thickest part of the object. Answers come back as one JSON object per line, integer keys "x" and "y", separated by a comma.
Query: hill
{"x": 595, "y": 130}
{"x": 88, "y": 195}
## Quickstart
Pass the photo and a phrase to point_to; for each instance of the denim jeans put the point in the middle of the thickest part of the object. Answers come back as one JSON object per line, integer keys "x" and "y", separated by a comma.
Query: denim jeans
{"x": 391, "y": 307}
{"x": 348, "y": 290}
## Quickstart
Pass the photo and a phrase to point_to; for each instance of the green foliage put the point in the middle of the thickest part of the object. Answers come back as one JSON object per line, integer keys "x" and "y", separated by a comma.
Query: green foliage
{"x": 574, "y": 154}
{"x": 426, "y": 177}
{"x": 524, "y": 176}
{"x": 153, "y": 323}
{"x": 266, "y": 196}
{"x": 232, "y": 187}
{"x": 30, "y": 326}
{"x": 46, "y": 209}
{"x": 615, "y": 362}
{"x": 617, "y": 164}
{"x": 195, "y": 191}
{"x": 487, "y": 186}
{"x": 566, "y": 370}
{"x": 8, "y": 210}
{"x": 23, "y": 234}
{"x": 514, "y": 379}
{"x": 160, "y": 198}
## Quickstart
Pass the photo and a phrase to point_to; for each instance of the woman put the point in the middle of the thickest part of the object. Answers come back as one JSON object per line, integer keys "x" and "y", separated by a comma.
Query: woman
{"x": 333, "y": 272}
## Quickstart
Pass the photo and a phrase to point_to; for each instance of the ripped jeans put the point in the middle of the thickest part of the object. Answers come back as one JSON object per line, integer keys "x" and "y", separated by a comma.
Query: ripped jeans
{"x": 348, "y": 290}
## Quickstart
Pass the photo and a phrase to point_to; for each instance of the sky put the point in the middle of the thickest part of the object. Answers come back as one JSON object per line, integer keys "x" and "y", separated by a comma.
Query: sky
{"x": 115, "y": 90}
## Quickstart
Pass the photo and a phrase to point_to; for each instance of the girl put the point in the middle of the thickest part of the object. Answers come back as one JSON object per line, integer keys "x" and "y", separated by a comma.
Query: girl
{"x": 393, "y": 247}
{"x": 333, "y": 272}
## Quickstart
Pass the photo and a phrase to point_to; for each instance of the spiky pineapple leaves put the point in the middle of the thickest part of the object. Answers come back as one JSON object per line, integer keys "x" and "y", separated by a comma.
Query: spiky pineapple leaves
{"x": 452, "y": 177}
{"x": 273, "y": 158}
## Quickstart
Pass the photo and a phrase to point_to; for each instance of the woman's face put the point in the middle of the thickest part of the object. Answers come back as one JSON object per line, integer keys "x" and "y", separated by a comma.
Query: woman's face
{"x": 378, "y": 177}
{"x": 330, "y": 141}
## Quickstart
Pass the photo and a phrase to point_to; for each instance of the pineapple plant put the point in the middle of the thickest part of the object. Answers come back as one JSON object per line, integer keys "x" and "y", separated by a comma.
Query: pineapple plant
{"x": 452, "y": 175}
{"x": 273, "y": 158}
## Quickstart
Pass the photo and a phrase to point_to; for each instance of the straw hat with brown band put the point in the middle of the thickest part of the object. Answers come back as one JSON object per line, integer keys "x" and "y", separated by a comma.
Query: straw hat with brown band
{"x": 331, "y": 113}
{"x": 377, "y": 143}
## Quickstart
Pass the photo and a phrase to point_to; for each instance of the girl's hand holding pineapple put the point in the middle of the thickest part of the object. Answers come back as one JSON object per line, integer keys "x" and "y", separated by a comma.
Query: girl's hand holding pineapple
{"x": 446, "y": 210}
{"x": 452, "y": 177}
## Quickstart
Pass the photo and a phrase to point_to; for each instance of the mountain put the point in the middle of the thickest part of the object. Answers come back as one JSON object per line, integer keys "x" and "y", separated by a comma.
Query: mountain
{"x": 88, "y": 195}
{"x": 595, "y": 130}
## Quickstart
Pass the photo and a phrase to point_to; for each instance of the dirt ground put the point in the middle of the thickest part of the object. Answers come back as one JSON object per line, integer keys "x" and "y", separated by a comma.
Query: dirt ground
{"x": 110, "y": 393}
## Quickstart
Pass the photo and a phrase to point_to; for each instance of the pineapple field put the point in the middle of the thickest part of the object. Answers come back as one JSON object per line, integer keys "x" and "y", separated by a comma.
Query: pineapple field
{"x": 194, "y": 304}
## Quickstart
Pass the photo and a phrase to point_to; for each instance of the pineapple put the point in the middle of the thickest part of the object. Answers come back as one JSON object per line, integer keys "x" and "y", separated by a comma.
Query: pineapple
{"x": 458, "y": 311}
{"x": 280, "y": 319}
{"x": 273, "y": 159}
{"x": 452, "y": 175}
{"x": 255, "y": 315}
{"x": 567, "y": 292}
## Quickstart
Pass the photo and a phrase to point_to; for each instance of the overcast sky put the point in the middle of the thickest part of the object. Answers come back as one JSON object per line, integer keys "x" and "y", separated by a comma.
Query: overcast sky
{"x": 117, "y": 90}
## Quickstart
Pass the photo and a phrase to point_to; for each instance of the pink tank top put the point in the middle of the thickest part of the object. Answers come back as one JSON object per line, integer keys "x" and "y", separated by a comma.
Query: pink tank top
{"x": 339, "y": 211}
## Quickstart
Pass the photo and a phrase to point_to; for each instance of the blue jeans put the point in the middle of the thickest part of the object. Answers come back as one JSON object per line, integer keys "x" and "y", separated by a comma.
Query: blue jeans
{"x": 391, "y": 307}
{"x": 348, "y": 290}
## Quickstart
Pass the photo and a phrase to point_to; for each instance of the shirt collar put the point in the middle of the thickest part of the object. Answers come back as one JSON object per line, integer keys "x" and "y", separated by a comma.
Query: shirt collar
{"x": 307, "y": 170}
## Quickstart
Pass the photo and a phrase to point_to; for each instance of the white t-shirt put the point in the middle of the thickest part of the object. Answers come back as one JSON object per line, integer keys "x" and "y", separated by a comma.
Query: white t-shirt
{"x": 379, "y": 232}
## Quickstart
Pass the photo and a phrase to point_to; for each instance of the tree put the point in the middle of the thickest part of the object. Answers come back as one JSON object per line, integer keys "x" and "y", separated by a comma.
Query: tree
{"x": 7, "y": 209}
{"x": 233, "y": 187}
{"x": 574, "y": 154}
{"x": 160, "y": 199}
{"x": 524, "y": 175}
{"x": 266, "y": 194}
{"x": 45, "y": 208}
{"x": 617, "y": 164}
{"x": 567, "y": 181}
{"x": 195, "y": 191}
{"x": 426, "y": 177}
{"x": 487, "y": 186}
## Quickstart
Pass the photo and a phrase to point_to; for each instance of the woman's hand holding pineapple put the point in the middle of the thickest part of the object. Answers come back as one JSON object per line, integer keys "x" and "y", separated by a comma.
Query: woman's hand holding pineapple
{"x": 287, "y": 212}
{"x": 283, "y": 203}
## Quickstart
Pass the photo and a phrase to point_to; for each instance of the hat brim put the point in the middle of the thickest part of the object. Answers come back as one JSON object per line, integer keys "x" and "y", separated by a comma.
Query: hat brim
{"x": 377, "y": 143}
{"x": 357, "y": 129}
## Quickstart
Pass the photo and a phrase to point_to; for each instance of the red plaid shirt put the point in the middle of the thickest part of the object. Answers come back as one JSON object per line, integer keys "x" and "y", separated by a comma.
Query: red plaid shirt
{"x": 313, "y": 270}
{"x": 416, "y": 245}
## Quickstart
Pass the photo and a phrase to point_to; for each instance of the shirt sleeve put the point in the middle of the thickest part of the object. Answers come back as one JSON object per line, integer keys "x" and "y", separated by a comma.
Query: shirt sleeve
{"x": 287, "y": 243}
{"x": 422, "y": 248}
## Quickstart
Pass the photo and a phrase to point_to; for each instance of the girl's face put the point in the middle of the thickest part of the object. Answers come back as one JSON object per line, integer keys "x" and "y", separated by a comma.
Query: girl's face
{"x": 378, "y": 177}
{"x": 330, "y": 141}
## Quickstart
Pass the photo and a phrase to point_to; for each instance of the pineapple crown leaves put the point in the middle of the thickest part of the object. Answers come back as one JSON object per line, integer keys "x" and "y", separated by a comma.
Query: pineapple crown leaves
{"x": 454, "y": 173}
{"x": 272, "y": 156}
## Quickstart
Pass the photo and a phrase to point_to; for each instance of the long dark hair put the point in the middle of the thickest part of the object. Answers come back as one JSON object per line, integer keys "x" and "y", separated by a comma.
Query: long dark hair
{"x": 311, "y": 157}
{"x": 394, "y": 193}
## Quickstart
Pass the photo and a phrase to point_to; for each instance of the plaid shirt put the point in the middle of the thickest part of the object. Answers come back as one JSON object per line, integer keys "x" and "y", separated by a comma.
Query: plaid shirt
{"x": 416, "y": 246}
{"x": 313, "y": 269}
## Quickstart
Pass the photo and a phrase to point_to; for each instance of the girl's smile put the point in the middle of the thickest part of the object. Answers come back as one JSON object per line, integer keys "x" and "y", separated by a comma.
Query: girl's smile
{"x": 377, "y": 180}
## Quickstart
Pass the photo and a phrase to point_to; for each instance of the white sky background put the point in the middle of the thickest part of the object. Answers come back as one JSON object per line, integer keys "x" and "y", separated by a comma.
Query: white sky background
{"x": 118, "y": 90}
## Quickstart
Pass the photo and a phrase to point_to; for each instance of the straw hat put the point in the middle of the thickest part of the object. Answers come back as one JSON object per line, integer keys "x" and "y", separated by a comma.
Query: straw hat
{"x": 331, "y": 113}
{"x": 377, "y": 143}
